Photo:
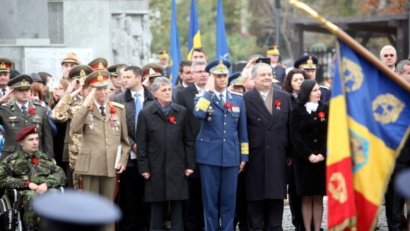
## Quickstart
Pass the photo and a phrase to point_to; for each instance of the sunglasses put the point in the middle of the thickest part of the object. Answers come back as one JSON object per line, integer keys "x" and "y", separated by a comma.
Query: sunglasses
{"x": 387, "y": 55}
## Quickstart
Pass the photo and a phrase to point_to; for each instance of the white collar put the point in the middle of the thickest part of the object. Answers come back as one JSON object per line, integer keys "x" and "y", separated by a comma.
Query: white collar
{"x": 199, "y": 89}
{"x": 311, "y": 106}
{"x": 140, "y": 92}
{"x": 184, "y": 85}
{"x": 27, "y": 105}
{"x": 264, "y": 93}
{"x": 218, "y": 93}
{"x": 98, "y": 105}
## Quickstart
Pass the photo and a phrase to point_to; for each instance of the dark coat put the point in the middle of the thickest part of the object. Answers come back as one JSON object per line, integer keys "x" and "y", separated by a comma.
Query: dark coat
{"x": 165, "y": 150}
{"x": 126, "y": 99}
{"x": 309, "y": 136}
{"x": 266, "y": 172}
{"x": 185, "y": 97}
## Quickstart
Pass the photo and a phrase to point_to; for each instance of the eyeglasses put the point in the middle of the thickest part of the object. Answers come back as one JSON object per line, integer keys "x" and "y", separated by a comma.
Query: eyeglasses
{"x": 200, "y": 72}
{"x": 387, "y": 55}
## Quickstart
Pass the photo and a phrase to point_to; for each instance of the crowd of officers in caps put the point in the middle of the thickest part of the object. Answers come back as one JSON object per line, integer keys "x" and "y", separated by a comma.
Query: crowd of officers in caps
{"x": 82, "y": 134}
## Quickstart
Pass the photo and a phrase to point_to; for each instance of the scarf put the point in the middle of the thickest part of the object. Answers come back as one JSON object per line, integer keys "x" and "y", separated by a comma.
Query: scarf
{"x": 294, "y": 94}
{"x": 164, "y": 110}
{"x": 310, "y": 106}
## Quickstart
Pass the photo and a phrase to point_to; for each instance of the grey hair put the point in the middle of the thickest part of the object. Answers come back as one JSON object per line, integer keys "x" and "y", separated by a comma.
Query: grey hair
{"x": 255, "y": 69}
{"x": 158, "y": 82}
{"x": 197, "y": 62}
{"x": 400, "y": 66}
{"x": 246, "y": 73}
{"x": 388, "y": 47}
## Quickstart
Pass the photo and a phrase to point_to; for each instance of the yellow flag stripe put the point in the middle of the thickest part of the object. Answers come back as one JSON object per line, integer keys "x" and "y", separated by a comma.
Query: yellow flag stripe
{"x": 245, "y": 148}
{"x": 197, "y": 43}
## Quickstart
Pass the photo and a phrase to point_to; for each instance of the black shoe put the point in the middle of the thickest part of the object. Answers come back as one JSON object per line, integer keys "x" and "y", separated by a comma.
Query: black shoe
{"x": 29, "y": 228}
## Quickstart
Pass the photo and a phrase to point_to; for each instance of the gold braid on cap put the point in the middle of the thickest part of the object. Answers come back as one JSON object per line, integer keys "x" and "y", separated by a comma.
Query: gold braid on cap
{"x": 220, "y": 68}
{"x": 237, "y": 82}
{"x": 309, "y": 64}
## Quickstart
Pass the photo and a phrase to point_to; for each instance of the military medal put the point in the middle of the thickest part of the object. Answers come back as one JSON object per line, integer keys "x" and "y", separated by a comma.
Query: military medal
{"x": 209, "y": 118}
{"x": 91, "y": 118}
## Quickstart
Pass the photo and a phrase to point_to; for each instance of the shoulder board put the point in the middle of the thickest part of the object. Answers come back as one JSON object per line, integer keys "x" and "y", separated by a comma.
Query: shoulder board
{"x": 327, "y": 88}
{"x": 235, "y": 93}
{"x": 280, "y": 64}
{"x": 38, "y": 104}
{"x": 198, "y": 95}
{"x": 6, "y": 105}
{"x": 117, "y": 105}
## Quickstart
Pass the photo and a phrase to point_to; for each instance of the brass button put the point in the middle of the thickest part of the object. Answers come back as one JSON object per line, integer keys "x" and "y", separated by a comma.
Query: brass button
{"x": 224, "y": 131}
{"x": 106, "y": 146}
{"x": 106, "y": 132}
{"x": 225, "y": 115}
{"x": 224, "y": 123}
{"x": 201, "y": 139}
{"x": 224, "y": 140}
{"x": 26, "y": 121}
{"x": 106, "y": 139}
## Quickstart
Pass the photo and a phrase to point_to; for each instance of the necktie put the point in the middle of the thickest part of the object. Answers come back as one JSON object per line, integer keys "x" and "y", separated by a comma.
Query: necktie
{"x": 4, "y": 91}
{"x": 264, "y": 96}
{"x": 24, "y": 110}
{"x": 221, "y": 100}
{"x": 137, "y": 107}
{"x": 102, "y": 111}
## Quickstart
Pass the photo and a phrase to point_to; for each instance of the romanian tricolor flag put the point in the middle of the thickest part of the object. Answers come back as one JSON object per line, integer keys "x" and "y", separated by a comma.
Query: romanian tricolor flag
{"x": 369, "y": 120}
{"x": 194, "y": 33}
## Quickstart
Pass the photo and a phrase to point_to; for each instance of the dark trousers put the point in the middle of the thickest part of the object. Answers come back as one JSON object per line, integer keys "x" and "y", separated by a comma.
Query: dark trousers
{"x": 177, "y": 223}
{"x": 295, "y": 204}
{"x": 131, "y": 200}
{"x": 394, "y": 202}
{"x": 241, "y": 211}
{"x": 194, "y": 211}
{"x": 265, "y": 215}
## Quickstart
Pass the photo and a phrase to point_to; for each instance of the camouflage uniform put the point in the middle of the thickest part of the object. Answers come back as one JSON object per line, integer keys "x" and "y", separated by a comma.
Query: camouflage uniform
{"x": 18, "y": 168}
{"x": 64, "y": 112}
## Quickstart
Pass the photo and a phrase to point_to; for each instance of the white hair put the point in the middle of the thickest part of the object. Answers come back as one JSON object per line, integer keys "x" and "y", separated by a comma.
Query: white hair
{"x": 160, "y": 81}
{"x": 388, "y": 47}
{"x": 246, "y": 73}
{"x": 255, "y": 69}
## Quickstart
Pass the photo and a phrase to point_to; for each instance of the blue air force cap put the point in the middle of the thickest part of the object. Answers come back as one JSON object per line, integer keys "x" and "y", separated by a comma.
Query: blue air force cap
{"x": 235, "y": 79}
{"x": 306, "y": 62}
{"x": 218, "y": 67}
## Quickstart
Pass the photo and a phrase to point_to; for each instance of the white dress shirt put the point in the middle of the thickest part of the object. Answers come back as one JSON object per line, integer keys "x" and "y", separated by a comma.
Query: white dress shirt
{"x": 23, "y": 105}
{"x": 218, "y": 93}
{"x": 98, "y": 106}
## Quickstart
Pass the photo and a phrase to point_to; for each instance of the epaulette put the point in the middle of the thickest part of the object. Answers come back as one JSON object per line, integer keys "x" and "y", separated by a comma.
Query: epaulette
{"x": 235, "y": 93}
{"x": 280, "y": 64}
{"x": 198, "y": 95}
{"x": 117, "y": 105}
{"x": 6, "y": 105}
{"x": 327, "y": 88}
{"x": 38, "y": 104}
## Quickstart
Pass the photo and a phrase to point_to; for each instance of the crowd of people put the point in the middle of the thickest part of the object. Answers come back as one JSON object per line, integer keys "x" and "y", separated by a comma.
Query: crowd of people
{"x": 213, "y": 152}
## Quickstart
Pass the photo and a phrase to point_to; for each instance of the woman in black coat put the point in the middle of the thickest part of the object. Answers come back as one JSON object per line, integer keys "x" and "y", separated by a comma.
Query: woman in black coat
{"x": 308, "y": 128}
{"x": 292, "y": 82}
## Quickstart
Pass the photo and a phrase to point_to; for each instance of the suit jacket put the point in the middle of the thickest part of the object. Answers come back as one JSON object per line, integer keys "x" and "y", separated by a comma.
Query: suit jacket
{"x": 13, "y": 121}
{"x": 185, "y": 97}
{"x": 269, "y": 144}
{"x": 100, "y": 140}
{"x": 223, "y": 139}
{"x": 175, "y": 89}
{"x": 165, "y": 150}
{"x": 126, "y": 99}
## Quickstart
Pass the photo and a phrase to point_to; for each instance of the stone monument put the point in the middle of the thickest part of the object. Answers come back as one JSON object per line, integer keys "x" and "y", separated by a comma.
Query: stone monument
{"x": 117, "y": 30}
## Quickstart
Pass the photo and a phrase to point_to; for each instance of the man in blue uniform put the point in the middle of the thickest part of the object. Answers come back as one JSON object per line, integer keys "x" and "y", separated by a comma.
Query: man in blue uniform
{"x": 278, "y": 70}
{"x": 235, "y": 83}
{"x": 221, "y": 147}
{"x": 308, "y": 64}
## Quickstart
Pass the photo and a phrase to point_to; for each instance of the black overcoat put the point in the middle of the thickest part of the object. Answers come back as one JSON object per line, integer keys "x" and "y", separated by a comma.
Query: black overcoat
{"x": 309, "y": 136}
{"x": 165, "y": 150}
{"x": 266, "y": 171}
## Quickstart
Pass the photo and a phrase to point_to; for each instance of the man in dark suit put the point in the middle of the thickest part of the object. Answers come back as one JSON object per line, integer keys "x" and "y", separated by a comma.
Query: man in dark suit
{"x": 194, "y": 218}
{"x": 267, "y": 112}
{"x": 131, "y": 193}
{"x": 185, "y": 78}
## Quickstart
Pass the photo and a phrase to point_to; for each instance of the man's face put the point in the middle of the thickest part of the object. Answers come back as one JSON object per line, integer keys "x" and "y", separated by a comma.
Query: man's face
{"x": 85, "y": 91}
{"x": 101, "y": 94}
{"x": 150, "y": 82}
{"x": 248, "y": 84}
{"x": 186, "y": 75}
{"x": 129, "y": 79}
{"x": 30, "y": 143}
{"x": 164, "y": 94}
{"x": 198, "y": 55}
{"x": 163, "y": 61}
{"x": 264, "y": 78}
{"x": 116, "y": 82}
{"x": 66, "y": 69}
{"x": 406, "y": 73}
{"x": 221, "y": 81}
{"x": 311, "y": 73}
{"x": 237, "y": 89}
{"x": 388, "y": 57}
{"x": 22, "y": 95}
{"x": 200, "y": 76}
{"x": 4, "y": 78}
{"x": 273, "y": 58}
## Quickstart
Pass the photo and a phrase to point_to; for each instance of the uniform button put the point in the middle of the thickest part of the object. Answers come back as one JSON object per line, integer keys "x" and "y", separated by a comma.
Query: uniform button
{"x": 26, "y": 121}
{"x": 225, "y": 115}
{"x": 224, "y": 123}
{"x": 201, "y": 139}
{"x": 106, "y": 146}
{"x": 224, "y": 140}
{"x": 106, "y": 139}
{"x": 314, "y": 118}
{"x": 259, "y": 119}
{"x": 267, "y": 132}
{"x": 267, "y": 146}
{"x": 106, "y": 132}
{"x": 224, "y": 131}
{"x": 315, "y": 140}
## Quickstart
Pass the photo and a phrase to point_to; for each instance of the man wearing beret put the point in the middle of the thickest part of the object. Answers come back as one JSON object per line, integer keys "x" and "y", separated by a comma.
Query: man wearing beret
{"x": 70, "y": 61}
{"x": 104, "y": 129}
{"x": 5, "y": 65}
{"x": 31, "y": 172}
{"x": 150, "y": 72}
{"x": 23, "y": 113}
{"x": 64, "y": 112}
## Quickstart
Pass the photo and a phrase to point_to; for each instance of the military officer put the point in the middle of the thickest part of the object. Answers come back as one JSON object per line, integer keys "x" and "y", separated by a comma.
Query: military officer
{"x": 308, "y": 63}
{"x": 104, "y": 129}
{"x": 98, "y": 64}
{"x": 163, "y": 61}
{"x": 278, "y": 70}
{"x": 5, "y": 65}
{"x": 115, "y": 78}
{"x": 23, "y": 113}
{"x": 64, "y": 112}
{"x": 221, "y": 147}
{"x": 31, "y": 172}
{"x": 150, "y": 72}
{"x": 235, "y": 83}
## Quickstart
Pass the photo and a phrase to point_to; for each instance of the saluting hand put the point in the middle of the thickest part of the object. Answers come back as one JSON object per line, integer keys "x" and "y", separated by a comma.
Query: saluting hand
{"x": 76, "y": 92}
{"x": 6, "y": 97}
{"x": 89, "y": 98}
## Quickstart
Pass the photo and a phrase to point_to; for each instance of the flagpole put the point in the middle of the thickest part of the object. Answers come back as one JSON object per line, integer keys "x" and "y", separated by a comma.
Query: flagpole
{"x": 352, "y": 43}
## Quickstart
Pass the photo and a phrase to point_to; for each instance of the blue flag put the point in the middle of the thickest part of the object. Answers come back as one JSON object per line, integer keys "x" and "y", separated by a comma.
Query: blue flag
{"x": 194, "y": 33}
{"x": 222, "y": 51}
{"x": 175, "y": 49}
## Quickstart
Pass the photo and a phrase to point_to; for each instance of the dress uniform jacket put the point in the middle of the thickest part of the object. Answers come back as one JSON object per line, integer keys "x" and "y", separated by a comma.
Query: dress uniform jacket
{"x": 13, "y": 121}
{"x": 269, "y": 144}
{"x": 325, "y": 94}
{"x": 97, "y": 158}
{"x": 279, "y": 73}
{"x": 309, "y": 136}
{"x": 223, "y": 139}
